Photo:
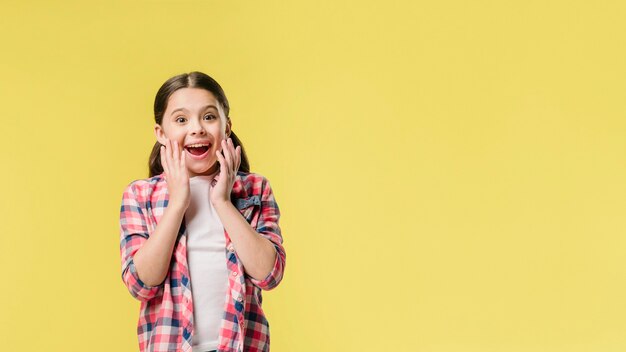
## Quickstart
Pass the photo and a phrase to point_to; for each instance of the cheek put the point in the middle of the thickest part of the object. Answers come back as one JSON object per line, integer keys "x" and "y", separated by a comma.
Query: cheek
{"x": 179, "y": 138}
{"x": 174, "y": 137}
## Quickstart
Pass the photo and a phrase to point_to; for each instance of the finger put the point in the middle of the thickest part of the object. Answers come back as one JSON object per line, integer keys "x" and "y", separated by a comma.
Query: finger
{"x": 233, "y": 155}
{"x": 171, "y": 165}
{"x": 179, "y": 153}
{"x": 220, "y": 159}
{"x": 176, "y": 154}
{"x": 168, "y": 151}
{"x": 238, "y": 156}
{"x": 164, "y": 160}
{"x": 183, "y": 162}
{"x": 226, "y": 155}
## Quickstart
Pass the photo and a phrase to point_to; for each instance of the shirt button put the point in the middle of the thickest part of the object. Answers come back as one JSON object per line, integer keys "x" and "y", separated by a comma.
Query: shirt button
{"x": 240, "y": 298}
{"x": 234, "y": 273}
{"x": 231, "y": 248}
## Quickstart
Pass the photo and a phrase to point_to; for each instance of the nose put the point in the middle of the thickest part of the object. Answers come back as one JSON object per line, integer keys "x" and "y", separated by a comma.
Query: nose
{"x": 197, "y": 128}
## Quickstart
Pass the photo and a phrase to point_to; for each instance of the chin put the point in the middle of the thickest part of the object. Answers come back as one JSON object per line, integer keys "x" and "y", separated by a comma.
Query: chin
{"x": 200, "y": 170}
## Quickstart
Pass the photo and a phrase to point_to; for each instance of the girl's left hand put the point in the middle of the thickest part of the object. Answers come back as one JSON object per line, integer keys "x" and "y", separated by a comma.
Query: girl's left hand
{"x": 229, "y": 165}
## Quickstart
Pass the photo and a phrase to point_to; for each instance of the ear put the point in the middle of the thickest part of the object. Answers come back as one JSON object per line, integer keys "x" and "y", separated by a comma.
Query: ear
{"x": 159, "y": 133}
{"x": 228, "y": 127}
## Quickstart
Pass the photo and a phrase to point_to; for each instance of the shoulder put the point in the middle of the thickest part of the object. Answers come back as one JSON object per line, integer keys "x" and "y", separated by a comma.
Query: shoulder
{"x": 145, "y": 187}
{"x": 253, "y": 183}
{"x": 250, "y": 177}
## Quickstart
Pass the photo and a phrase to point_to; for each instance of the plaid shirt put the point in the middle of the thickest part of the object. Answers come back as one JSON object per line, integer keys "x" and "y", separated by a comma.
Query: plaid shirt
{"x": 166, "y": 311}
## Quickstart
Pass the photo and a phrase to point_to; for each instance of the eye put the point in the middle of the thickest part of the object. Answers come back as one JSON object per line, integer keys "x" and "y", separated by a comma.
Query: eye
{"x": 178, "y": 118}
{"x": 211, "y": 115}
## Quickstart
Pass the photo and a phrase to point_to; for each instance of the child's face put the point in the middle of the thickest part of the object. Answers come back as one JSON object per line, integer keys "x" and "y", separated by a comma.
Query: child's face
{"x": 193, "y": 115}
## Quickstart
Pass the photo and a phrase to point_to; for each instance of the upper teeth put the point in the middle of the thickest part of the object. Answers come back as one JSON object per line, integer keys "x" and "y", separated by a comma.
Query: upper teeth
{"x": 197, "y": 145}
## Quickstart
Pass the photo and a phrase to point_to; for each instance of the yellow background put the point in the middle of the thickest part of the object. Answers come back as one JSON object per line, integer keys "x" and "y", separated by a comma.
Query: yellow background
{"x": 451, "y": 174}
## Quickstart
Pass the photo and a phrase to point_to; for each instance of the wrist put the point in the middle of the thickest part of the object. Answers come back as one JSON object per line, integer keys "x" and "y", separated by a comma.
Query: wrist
{"x": 177, "y": 206}
{"x": 221, "y": 203}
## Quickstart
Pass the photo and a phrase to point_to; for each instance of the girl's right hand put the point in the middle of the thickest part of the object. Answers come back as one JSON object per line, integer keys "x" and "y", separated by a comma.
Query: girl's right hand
{"x": 177, "y": 177}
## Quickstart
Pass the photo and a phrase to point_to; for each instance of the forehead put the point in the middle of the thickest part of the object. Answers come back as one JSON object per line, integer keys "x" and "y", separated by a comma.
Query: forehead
{"x": 191, "y": 99}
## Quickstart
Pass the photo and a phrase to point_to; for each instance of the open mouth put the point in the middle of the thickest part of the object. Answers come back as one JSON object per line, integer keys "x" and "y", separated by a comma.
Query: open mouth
{"x": 198, "y": 151}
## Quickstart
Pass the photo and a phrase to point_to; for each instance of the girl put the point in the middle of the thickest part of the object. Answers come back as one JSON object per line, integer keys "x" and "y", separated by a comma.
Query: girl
{"x": 200, "y": 237}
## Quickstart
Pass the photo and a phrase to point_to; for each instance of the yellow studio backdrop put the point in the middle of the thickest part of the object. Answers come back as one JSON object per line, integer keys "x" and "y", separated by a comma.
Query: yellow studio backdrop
{"x": 451, "y": 174}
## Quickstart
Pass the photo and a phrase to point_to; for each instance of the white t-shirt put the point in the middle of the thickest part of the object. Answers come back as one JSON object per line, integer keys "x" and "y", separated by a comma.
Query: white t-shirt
{"x": 206, "y": 258}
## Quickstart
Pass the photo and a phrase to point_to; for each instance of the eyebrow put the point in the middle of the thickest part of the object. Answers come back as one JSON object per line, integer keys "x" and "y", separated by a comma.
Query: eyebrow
{"x": 204, "y": 108}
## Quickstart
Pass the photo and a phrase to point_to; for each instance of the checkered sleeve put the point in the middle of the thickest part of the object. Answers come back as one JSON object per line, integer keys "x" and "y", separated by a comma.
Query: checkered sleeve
{"x": 133, "y": 234}
{"x": 267, "y": 226}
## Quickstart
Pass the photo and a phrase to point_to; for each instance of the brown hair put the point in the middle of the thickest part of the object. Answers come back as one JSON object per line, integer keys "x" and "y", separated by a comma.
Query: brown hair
{"x": 193, "y": 79}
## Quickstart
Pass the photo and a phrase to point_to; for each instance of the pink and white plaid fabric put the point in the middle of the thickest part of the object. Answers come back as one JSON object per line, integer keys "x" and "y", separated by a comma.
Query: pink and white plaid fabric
{"x": 166, "y": 311}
